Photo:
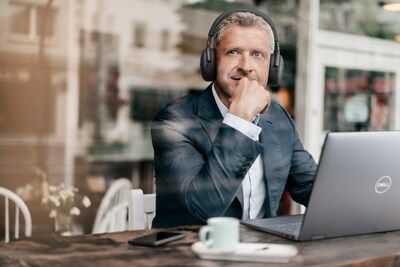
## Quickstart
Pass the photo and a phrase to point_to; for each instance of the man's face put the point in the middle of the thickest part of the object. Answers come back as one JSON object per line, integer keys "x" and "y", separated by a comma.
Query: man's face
{"x": 243, "y": 52}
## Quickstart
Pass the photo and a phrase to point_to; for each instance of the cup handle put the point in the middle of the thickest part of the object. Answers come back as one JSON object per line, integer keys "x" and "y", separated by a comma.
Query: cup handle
{"x": 204, "y": 235}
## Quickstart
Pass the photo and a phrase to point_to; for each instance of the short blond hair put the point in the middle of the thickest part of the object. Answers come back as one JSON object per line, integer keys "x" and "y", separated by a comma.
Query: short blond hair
{"x": 245, "y": 19}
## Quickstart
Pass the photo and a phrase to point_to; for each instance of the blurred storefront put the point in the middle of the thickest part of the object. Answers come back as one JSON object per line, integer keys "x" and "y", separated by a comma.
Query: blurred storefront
{"x": 353, "y": 71}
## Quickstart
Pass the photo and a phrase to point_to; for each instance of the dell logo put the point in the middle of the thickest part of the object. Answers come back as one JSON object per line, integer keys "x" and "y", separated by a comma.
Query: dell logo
{"x": 383, "y": 184}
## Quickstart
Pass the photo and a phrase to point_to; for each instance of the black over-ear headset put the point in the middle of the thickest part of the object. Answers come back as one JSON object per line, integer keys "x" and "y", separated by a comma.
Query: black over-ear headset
{"x": 208, "y": 66}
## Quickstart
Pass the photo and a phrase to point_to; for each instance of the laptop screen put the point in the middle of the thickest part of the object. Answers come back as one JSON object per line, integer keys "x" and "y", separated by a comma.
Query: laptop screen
{"x": 357, "y": 185}
{"x": 356, "y": 189}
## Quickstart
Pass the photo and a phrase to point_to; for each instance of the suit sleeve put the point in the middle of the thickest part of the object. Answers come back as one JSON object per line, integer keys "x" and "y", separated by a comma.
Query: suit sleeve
{"x": 302, "y": 172}
{"x": 203, "y": 172}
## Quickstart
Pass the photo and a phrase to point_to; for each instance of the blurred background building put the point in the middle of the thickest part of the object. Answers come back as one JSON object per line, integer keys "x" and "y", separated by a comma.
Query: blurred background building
{"x": 81, "y": 80}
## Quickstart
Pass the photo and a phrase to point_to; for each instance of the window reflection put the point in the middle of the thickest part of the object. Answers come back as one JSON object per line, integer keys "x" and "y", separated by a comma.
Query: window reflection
{"x": 358, "y": 100}
{"x": 104, "y": 68}
{"x": 31, "y": 20}
{"x": 19, "y": 19}
{"x": 358, "y": 17}
{"x": 139, "y": 35}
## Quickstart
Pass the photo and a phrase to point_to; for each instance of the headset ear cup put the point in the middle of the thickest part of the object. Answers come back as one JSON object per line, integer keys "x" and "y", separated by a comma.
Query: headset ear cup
{"x": 208, "y": 68}
{"x": 275, "y": 72}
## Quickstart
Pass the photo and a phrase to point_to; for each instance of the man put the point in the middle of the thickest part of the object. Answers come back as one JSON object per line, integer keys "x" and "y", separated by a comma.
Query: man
{"x": 229, "y": 150}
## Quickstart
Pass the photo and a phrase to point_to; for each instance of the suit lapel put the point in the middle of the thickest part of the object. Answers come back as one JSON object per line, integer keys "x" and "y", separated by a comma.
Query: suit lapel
{"x": 207, "y": 110}
{"x": 211, "y": 120}
{"x": 271, "y": 154}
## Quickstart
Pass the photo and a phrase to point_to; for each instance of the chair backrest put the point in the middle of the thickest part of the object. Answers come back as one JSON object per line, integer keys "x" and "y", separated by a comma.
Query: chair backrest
{"x": 142, "y": 210}
{"x": 19, "y": 206}
{"x": 115, "y": 220}
{"x": 113, "y": 210}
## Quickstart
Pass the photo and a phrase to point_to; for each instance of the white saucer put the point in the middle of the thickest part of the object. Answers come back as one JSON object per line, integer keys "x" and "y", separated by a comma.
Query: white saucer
{"x": 256, "y": 252}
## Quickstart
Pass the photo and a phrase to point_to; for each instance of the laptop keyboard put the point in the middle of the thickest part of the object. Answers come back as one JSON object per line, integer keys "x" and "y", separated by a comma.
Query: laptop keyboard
{"x": 292, "y": 228}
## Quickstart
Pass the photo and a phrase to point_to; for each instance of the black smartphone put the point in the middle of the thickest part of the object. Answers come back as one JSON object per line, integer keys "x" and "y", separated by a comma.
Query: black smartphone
{"x": 156, "y": 239}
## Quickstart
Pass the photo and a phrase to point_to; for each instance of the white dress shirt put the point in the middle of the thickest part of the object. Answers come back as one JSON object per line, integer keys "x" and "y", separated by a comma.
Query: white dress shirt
{"x": 253, "y": 184}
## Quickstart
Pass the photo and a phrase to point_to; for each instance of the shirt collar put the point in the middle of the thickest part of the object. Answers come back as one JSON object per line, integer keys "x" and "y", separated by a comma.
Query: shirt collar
{"x": 222, "y": 108}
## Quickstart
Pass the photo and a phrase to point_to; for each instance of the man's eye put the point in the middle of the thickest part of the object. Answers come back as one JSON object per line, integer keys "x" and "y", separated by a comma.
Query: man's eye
{"x": 232, "y": 52}
{"x": 258, "y": 54}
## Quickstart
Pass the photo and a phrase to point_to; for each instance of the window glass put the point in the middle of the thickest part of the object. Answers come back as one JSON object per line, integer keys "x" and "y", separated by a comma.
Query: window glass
{"x": 32, "y": 20}
{"x": 80, "y": 106}
{"x": 20, "y": 17}
{"x": 164, "y": 40}
{"x": 358, "y": 100}
{"x": 359, "y": 17}
{"x": 46, "y": 19}
{"x": 139, "y": 35}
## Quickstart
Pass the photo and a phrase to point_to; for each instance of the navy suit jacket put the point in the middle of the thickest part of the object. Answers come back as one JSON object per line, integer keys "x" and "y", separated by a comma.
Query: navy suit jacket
{"x": 200, "y": 162}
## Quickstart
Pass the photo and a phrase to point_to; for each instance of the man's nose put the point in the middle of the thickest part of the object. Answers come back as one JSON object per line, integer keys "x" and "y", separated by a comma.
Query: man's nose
{"x": 245, "y": 63}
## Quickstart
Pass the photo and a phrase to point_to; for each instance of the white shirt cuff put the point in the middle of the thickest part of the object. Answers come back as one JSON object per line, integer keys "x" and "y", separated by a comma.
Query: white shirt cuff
{"x": 249, "y": 129}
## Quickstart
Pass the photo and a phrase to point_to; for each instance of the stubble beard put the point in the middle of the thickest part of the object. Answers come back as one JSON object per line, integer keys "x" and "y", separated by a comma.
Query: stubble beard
{"x": 224, "y": 92}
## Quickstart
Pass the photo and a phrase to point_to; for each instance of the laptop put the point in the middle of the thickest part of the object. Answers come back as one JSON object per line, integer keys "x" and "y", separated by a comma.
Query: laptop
{"x": 356, "y": 190}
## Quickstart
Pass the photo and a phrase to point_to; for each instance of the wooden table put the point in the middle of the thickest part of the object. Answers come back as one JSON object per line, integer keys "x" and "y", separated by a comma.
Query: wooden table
{"x": 113, "y": 250}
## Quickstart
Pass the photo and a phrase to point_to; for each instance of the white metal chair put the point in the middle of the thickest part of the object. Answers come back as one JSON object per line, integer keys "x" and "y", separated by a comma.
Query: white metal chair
{"x": 112, "y": 215}
{"x": 142, "y": 210}
{"x": 19, "y": 206}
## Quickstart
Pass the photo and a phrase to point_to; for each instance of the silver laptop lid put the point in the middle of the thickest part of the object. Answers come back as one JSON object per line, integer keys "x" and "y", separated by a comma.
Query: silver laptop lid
{"x": 357, "y": 189}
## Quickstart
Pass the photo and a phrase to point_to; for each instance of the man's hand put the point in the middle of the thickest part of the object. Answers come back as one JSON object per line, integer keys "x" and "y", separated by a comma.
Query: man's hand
{"x": 248, "y": 99}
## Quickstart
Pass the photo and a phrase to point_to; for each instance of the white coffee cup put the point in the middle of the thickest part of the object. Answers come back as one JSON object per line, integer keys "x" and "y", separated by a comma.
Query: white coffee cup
{"x": 220, "y": 234}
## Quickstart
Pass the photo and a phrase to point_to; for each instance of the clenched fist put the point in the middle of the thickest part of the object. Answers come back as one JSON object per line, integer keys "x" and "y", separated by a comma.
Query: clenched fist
{"x": 249, "y": 99}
